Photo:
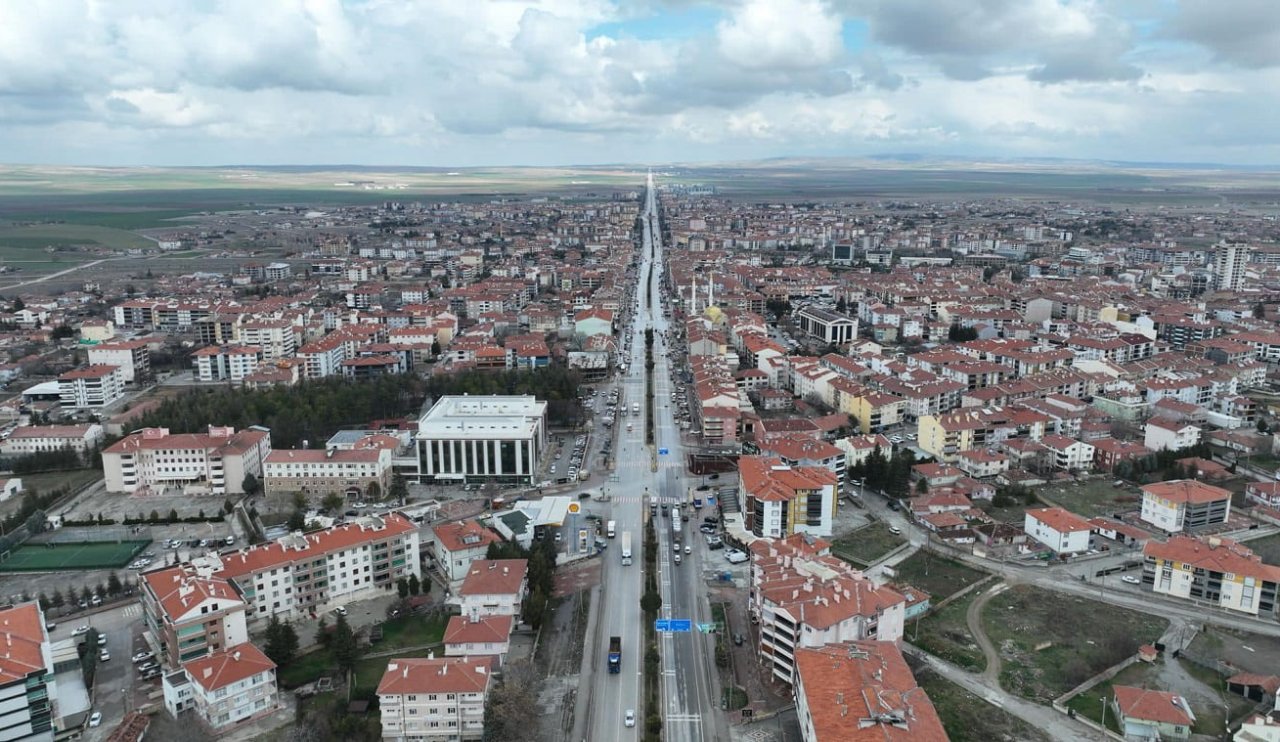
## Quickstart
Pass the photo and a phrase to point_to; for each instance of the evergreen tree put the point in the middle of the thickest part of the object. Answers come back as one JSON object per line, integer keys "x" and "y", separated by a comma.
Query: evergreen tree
{"x": 344, "y": 645}
{"x": 415, "y": 585}
{"x": 323, "y": 635}
{"x": 113, "y": 585}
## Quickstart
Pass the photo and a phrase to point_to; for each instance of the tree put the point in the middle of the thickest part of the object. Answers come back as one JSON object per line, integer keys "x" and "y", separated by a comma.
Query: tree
{"x": 37, "y": 522}
{"x": 535, "y": 607}
{"x": 323, "y": 635}
{"x": 250, "y": 485}
{"x": 282, "y": 641}
{"x": 85, "y": 594}
{"x": 227, "y": 507}
{"x": 62, "y": 331}
{"x": 415, "y": 585}
{"x": 344, "y": 645}
{"x": 922, "y": 487}
{"x": 56, "y": 600}
{"x": 154, "y": 517}
{"x": 173, "y": 515}
{"x": 1262, "y": 426}
{"x": 332, "y": 502}
{"x": 1260, "y": 311}
{"x": 506, "y": 712}
{"x": 43, "y": 600}
{"x": 399, "y": 491}
{"x": 19, "y": 305}
{"x": 373, "y": 492}
{"x": 299, "y": 500}
{"x": 402, "y": 587}
{"x": 297, "y": 521}
{"x": 650, "y": 602}
{"x": 114, "y": 587}
{"x": 435, "y": 348}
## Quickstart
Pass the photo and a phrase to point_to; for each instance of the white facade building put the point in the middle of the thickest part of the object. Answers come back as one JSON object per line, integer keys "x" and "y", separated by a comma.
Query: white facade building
{"x": 90, "y": 387}
{"x": 499, "y": 438}
{"x": 435, "y": 698}
{"x": 27, "y": 692}
{"x": 217, "y": 461}
{"x": 42, "y": 438}
{"x": 1062, "y": 531}
{"x": 224, "y": 689}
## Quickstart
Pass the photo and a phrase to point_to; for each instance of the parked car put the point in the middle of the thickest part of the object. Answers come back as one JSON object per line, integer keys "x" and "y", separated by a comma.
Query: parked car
{"x": 738, "y": 639}
{"x": 1131, "y": 580}
{"x": 77, "y": 631}
{"x": 142, "y": 657}
{"x": 96, "y": 719}
{"x": 340, "y": 610}
{"x": 895, "y": 530}
{"x": 104, "y": 655}
{"x": 102, "y": 640}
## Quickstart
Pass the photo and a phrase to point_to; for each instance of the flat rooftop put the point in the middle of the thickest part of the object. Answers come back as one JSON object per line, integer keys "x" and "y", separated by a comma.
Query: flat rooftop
{"x": 482, "y": 418}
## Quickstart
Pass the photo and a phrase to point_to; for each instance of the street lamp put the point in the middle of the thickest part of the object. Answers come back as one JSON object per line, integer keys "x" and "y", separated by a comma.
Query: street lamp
{"x": 1104, "y": 713}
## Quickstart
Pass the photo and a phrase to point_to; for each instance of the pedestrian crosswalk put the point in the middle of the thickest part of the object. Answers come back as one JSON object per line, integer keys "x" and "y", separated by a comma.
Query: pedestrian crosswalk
{"x": 133, "y": 609}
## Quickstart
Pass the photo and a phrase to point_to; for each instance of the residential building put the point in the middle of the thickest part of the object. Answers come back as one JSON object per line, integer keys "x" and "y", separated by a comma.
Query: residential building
{"x": 42, "y": 438}
{"x": 1062, "y": 531}
{"x": 1146, "y": 714}
{"x": 804, "y": 597}
{"x": 783, "y": 500}
{"x": 1164, "y": 434}
{"x": 455, "y": 546}
{"x": 435, "y": 698}
{"x": 27, "y": 693}
{"x": 861, "y": 691}
{"x": 305, "y": 573}
{"x": 90, "y": 387}
{"x": 225, "y": 689}
{"x": 494, "y": 587}
{"x": 316, "y": 473}
{"x": 215, "y": 462}
{"x": 498, "y": 438}
{"x": 132, "y": 357}
{"x": 1216, "y": 571}
{"x": 1230, "y": 260}
{"x": 226, "y": 362}
{"x": 1068, "y": 453}
{"x": 192, "y": 612}
{"x": 467, "y": 636}
{"x": 1184, "y": 504}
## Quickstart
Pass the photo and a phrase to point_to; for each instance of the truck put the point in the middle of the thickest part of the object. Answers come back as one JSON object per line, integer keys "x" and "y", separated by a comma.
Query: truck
{"x": 675, "y": 522}
{"x": 611, "y": 528}
{"x": 615, "y": 654}
{"x": 626, "y": 548}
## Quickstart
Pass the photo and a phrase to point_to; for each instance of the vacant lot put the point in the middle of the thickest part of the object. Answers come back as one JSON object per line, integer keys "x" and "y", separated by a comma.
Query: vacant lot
{"x": 41, "y": 236}
{"x": 936, "y": 575}
{"x": 72, "y": 479}
{"x": 1050, "y": 642}
{"x": 945, "y": 634}
{"x": 866, "y": 545}
{"x": 1242, "y": 651}
{"x": 1097, "y": 497}
{"x": 50, "y": 557}
{"x": 968, "y": 718}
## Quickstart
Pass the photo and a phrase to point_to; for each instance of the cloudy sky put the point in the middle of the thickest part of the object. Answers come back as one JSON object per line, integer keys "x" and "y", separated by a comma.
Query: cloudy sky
{"x": 487, "y": 82}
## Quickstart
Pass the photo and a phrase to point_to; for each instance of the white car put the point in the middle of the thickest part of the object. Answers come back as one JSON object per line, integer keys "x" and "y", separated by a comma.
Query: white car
{"x": 102, "y": 640}
{"x": 104, "y": 655}
{"x": 340, "y": 610}
{"x": 77, "y": 631}
{"x": 688, "y": 549}
{"x": 1131, "y": 580}
{"x": 895, "y": 530}
{"x": 736, "y": 557}
{"x": 142, "y": 656}
{"x": 628, "y": 719}
{"x": 96, "y": 719}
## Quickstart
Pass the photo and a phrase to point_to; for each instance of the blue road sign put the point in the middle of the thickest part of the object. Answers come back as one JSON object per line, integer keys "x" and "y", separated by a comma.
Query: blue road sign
{"x": 673, "y": 625}
{"x": 663, "y": 451}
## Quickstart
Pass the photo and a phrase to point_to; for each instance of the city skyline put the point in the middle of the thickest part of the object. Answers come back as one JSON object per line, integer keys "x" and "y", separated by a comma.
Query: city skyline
{"x": 590, "y": 81}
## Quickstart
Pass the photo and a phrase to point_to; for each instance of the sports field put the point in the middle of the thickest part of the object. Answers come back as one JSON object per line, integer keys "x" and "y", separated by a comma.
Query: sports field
{"x": 52, "y": 557}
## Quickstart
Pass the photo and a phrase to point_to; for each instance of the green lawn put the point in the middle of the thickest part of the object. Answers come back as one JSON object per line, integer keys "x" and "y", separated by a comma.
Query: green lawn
{"x": 411, "y": 631}
{"x": 968, "y": 718}
{"x": 73, "y": 479}
{"x": 40, "y": 236}
{"x": 1049, "y": 642}
{"x": 867, "y": 544}
{"x": 1267, "y": 547}
{"x": 936, "y": 575}
{"x": 945, "y": 634}
{"x": 306, "y": 668}
{"x": 1096, "y": 497}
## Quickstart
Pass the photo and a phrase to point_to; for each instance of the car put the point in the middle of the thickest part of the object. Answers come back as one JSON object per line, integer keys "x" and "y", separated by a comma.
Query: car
{"x": 707, "y": 528}
{"x": 1131, "y": 580}
{"x": 204, "y": 542}
{"x": 142, "y": 657}
{"x": 715, "y": 545}
{"x": 96, "y": 719}
{"x": 362, "y": 504}
{"x": 738, "y": 639}
{"x": 688, "y": 549}
{"x": 340, "y": 610}
{"x": 895, "y": 439}
{"x": 629, "y": 718}
{"x": 675, "y": 546}
{"x": 151, "y": 674}
{"x": 50, "y": 626}
{"x": 351, "y": 513}
{"x": 677, "y": 557}
{"x": 148, "y": 666}
{"x": 104, "y": 655}
{"x": 96, "y": 601}
{"x": 911, "y": 436}
{"x": 102, "y": 640}
{"x": 735, "y": 556}
{"x": 559, "y": 537}
{"x": 229, "y": 540}
{"x": 77, "y": 631}
{"x": 895, "y": 530}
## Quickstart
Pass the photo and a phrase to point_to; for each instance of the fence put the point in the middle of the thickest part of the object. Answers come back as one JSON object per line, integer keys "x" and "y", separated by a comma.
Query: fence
{"x": 95, "y": 535}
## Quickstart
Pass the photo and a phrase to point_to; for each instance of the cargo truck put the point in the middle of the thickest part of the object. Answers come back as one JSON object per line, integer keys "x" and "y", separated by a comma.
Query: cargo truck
{"x": 626, "y": 548}
{"x": 615, "y": 654}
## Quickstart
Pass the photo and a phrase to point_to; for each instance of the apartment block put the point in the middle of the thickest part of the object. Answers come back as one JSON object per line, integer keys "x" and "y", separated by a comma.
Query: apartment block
{"x": 347, "y": 472}
{"x": 1216, "y": 571}
{"x": 783, "y": 500}
{"x": 225, "y": 689}
{"x": 435, "y": 698}
{"x": 191, "y": 612}
{"x": 215, "y": 462}
{"x": 132, "y": 357}
{"x": 225, "y": 362}
{"x": 310, "y": 572}
{"x": 805, "y": 598}
{"x": 1184, "y": 504}
{"x": 861, "y": 691}
{"x": 41, "y": 438}
{"x": 90, "y": 387}
{"x": 27, "y": 693}
{"x": 494, "y": 587}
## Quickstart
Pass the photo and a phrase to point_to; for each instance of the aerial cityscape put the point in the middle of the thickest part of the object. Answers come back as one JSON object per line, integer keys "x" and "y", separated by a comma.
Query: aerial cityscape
{"x": 742, "y": 371}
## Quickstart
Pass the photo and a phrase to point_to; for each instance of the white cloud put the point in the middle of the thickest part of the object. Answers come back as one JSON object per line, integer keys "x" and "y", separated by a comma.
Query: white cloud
{"x": 780, "y": 34}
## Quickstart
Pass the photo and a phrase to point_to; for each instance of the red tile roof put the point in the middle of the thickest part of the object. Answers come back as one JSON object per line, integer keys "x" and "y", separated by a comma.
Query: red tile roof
{"x": 495, "y": 577}
{"x": 1186, "y": 491}
{"x": 179, "y": 589}
{"x": 1062, "y": 521}
{"x": 317, "y": 543}
{"x": 23, "y": 630}
{"x": 436, "y": 675}
{"x": 228, "y": 666}
{"x": 465, "y": 534}
{"x": 1153, "y": 705}
{"x": 484, "y": 630}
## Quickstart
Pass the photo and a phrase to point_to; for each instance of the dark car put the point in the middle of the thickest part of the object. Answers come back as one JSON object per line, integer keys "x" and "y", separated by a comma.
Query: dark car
{"x": 711, "y": 519}
{"x": 738, "y": 639}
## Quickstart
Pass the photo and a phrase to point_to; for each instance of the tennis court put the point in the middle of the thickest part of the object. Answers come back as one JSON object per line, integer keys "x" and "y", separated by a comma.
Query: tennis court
{"x": 47, "y": 557}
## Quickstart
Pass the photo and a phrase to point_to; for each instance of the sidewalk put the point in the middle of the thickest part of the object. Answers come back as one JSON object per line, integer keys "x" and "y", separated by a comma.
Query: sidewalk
{"x": 765, "y": 695}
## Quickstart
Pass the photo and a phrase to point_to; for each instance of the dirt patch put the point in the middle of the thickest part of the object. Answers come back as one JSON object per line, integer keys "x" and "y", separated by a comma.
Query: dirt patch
{"x": 577, "y": 577}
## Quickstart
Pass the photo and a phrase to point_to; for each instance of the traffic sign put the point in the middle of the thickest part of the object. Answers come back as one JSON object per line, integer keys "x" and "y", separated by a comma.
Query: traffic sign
{"x": 663, "y": 451}
{"x": 707, "y": 628}
{"x": 673, "y": 625}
